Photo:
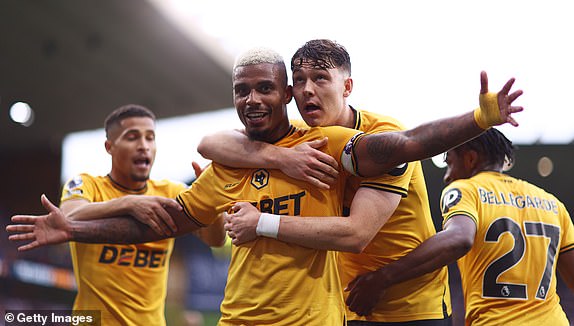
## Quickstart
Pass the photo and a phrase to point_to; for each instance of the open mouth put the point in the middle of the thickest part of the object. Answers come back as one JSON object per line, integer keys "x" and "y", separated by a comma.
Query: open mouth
{"x": 311, "y": 108}
{"x": 142, "y": 162}
{"x": 256, "y": 116}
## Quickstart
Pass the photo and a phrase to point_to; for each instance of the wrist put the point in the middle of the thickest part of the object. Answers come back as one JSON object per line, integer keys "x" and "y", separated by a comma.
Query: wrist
{"x": 71, "y": 230}
{"x": 268, "y": 225}
{"x": 276, "y": 157}
{"x": 488, "y": 114}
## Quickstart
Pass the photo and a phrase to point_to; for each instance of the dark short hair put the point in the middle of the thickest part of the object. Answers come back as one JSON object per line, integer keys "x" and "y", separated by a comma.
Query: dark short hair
{"x": 323, "y": 54}
{"x": 493, "y": 146}
{"x": 124, "y": 112}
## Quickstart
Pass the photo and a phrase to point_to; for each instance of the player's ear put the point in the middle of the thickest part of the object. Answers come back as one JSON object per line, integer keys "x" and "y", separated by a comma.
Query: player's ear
{"x": 108, "y": 145}
{"x": 288, "y": 94}
{"x": 471, "y": 160}
{"x": 348, "y": 86}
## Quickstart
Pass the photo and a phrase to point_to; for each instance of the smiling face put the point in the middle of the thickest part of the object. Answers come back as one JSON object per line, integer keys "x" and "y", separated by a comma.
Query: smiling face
{"x": 261, "y": 94}
{"x": 131, "y": 143}
{"x": 321, "y": 94}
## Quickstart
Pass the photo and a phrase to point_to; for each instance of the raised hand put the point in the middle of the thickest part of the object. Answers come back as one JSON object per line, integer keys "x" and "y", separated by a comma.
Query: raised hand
{"x": 40, "y": 230}
{"x": 497, "y": 108}
{"x": 152, "y": 211}
{"x": 306, "y": 162}
{"x": 241, "y": 225}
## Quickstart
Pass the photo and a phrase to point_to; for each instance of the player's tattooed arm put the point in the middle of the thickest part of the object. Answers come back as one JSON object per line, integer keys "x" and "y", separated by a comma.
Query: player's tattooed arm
{"x": 54, "y": 228}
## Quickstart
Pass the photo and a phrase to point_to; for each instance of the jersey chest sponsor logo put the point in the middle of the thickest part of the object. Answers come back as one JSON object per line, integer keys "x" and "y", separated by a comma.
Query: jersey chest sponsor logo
{"x": 141, "y": 258}
{"x": 282, "y": 205}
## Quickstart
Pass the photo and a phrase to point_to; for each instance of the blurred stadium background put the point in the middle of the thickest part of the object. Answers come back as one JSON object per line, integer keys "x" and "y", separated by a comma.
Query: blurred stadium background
{"x": 65, "y": 64}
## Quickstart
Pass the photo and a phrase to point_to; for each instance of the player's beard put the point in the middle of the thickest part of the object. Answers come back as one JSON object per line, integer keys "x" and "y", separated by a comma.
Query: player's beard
{"x": 140, "y": 178}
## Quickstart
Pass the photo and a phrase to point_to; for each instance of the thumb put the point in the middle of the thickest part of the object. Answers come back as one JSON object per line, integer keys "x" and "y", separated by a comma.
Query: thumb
{"x": 483, "y": 82}
{"x": 197, "y": 169}
{"x": 351, "y": 284}
{"x": 319, "y": 143}
{"x": 47, "y": 204}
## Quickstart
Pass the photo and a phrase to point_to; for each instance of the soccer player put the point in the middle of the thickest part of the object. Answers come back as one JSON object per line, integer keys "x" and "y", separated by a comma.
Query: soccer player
{"x": 508, "y": 235}
{"x": 269, "y": 281}
{"x": 127, "y": 283}
{"x": 389, "y": 215}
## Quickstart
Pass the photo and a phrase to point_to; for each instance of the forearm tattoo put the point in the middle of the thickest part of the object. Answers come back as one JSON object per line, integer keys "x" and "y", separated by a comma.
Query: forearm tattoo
{"x": 112, "y": 230}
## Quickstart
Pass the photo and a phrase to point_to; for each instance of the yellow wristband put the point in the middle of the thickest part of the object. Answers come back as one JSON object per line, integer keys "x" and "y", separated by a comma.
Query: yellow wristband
{"x": 488, "y": 114}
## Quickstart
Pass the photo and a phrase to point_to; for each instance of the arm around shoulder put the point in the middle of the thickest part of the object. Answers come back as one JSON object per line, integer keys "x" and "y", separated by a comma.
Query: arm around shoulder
{"x": 233, "y": 148}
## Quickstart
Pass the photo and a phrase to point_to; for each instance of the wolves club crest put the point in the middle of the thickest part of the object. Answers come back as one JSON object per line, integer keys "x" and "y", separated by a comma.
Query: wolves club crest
{"x": 260, "y": 178}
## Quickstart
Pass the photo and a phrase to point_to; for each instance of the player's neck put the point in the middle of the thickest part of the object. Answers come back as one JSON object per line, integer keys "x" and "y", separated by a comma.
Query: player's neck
{"x": 346, "y": 118}
{"x": 126, "y": 183}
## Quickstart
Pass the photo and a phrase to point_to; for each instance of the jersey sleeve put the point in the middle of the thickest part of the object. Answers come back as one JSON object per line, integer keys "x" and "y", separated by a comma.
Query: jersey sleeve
{"x": 81, "y": 186}
{"x": 397, "y": 180}
{"x": 341, "y": 143}
{"x": 204, "y": 200}
{"x": 459, "y": 198}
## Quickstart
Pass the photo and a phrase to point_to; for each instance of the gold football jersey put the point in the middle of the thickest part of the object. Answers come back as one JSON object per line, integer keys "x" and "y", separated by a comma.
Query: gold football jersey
{"x": 127, "y": 283}
{"x": 424, "y": 297}
{"x": 272, "y": 282}
{"x": 509, "y": 275}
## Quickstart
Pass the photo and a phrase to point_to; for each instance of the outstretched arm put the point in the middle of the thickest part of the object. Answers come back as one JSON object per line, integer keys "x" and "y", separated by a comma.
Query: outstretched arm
{"x": 378, "y": 153}
{"x": 150, "y": 210}
{"x": 303, "y": 162}
{"x": 54, "y": 228}
{"x": 370, "y": 208}
{"x": 439, "y": 250}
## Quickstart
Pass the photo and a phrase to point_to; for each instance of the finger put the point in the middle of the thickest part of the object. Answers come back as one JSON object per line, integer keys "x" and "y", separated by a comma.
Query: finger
{"x": 318, "y": 183}
{"x": 323, "y": 176}
{"x": 167, "y": 220}
{"x": 352, "y": 284}
{"x": 351, "y": 301}
{"x": 318, "y": 143}
{"x": 514, "y": 95}
{"x": 20, "y": 228}
{"x": 226, "y": 217}
{"x": 47, "y": 203}
{"x": 22, "y": 237}
{"x": 170, "y": 203}
{"x": 238, "y": 207}
{"x": 506, "y": 88}
{"x": 514, "y": 109}
{"x": 197, "y": 169}
{"x": 483, "y": 82}
{"x": 512, "y": 121}
{"x": 26, "y": 219}
{"x": 329, "y": 165}
{"x": 29, "y": 246}
{"x": 156, "y": 228}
